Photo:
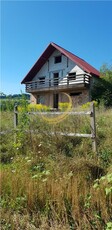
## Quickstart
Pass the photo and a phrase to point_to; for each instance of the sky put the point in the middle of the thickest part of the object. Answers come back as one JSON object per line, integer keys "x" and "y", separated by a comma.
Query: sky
{"x": 27, "y": 27}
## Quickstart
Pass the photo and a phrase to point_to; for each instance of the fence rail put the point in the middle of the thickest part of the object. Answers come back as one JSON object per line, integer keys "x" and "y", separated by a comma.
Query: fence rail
{"x": 91, "y": 113}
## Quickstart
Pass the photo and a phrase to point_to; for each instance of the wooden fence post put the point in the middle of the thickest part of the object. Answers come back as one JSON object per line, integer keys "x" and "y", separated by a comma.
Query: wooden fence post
{"x": 15, "y": 116}
{"x": 93, "y": 127}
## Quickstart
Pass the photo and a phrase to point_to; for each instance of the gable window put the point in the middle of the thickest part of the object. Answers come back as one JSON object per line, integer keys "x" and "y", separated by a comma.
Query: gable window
{"x": 41, "y": 80}
{"x": 57, "y": 59}
{"x": 72, "y": 76}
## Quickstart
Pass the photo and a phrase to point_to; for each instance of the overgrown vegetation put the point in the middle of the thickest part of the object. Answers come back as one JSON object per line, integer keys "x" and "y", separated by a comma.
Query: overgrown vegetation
{"x": 55, "y": 182}
{"x": 102, "y": 89}
{"x": 7, "y": 102}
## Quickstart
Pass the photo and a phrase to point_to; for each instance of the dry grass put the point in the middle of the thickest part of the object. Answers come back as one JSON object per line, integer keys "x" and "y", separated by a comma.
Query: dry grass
{"x": 63, "y": 193}
{"x": 49, "y": 181}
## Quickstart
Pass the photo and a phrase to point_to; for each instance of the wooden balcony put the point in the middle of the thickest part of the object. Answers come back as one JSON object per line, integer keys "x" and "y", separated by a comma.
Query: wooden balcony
{"x": 58, "y": 84}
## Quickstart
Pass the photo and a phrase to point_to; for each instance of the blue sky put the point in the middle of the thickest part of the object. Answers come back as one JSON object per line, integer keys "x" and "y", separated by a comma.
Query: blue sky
{"x": 27, "y": 27}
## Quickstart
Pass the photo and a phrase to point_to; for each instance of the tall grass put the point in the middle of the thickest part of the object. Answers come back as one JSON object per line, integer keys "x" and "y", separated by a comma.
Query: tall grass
{"x": 53, "y": 182}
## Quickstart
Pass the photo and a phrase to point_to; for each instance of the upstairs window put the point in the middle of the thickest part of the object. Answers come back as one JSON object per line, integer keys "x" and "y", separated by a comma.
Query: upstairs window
{"x": 71, "y": 76}
{"x": 57, "y": 59}
{"x": 41, "y": 80}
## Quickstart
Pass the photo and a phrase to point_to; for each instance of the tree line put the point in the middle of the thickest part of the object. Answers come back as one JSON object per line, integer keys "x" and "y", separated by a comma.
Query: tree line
{"x": 102, "y": 88}
{"x": 14, "y": 96}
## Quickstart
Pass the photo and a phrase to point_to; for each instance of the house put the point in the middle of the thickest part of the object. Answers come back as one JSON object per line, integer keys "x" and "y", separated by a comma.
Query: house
{"x": 56, "y": 71}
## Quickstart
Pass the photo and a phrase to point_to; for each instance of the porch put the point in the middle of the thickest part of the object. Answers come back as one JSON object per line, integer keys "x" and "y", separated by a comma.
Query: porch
{"x": 58, "y": 83}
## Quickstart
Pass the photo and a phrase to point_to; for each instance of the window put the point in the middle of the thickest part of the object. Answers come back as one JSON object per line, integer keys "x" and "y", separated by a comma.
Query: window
{"x": 40, "y": 99}
{"x": 41, "y": 80}
{"x": 57, "y": 59}
{"x": 72, "y": 76}
{"x": 75, "y": 94}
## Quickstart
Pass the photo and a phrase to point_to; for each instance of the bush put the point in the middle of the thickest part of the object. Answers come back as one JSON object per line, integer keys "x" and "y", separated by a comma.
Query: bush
{"x": 38, "y": 107}
{"x": 34, "y": 108}
{"x": 87, "y": 105}
{"x": 63, "y": 106}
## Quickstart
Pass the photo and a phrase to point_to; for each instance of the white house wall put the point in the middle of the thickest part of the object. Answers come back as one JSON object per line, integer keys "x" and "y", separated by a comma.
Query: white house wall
{"x": 63, "y": 68}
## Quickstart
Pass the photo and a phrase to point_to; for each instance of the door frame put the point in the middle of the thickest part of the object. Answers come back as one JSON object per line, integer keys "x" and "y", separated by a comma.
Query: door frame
{"x": 55, "y": 100}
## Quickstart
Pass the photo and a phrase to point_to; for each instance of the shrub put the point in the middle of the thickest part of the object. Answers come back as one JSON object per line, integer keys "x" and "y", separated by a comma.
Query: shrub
{"x": 87, "y": 105}
{"x": 34, "y": 108}
{"x": 38, "y": 107}
{"x": 63, "y": 106}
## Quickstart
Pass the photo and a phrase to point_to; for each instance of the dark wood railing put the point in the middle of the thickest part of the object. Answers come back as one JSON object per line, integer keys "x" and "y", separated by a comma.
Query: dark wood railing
{"x": 65, "y": 82}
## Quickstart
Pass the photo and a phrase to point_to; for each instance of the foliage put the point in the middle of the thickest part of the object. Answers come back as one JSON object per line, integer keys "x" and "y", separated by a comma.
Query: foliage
{"x": 38, "y": 107}
{"x": 63, "y": 106}
{"x": 7, "y": 104}
{"x": 106, "y": 156}
{"x": 102, "y": 88}
{"x": 87, "y": 105}
{"x": 7, "y": 152}
{"x": 34, "y": 108}
{"x": 109, "y": 226}
{"x": 107, "y": 182}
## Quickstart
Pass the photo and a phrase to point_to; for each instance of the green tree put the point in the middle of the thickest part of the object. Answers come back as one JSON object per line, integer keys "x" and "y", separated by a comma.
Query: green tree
{"x": 102, "y": 88}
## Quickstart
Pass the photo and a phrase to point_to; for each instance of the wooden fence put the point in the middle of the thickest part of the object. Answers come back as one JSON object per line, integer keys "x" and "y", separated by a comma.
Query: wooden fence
{"x": 91, "y": 113}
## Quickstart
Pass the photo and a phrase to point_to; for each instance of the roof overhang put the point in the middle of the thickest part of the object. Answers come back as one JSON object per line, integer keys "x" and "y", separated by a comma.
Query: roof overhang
{"x": 48, "y": 52}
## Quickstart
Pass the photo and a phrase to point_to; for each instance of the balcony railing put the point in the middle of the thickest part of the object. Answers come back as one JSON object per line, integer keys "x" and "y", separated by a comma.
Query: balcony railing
{"x": 51, "y": 83}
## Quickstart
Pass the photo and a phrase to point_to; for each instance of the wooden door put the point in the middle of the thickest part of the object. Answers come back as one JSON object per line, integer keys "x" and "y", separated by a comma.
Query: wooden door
{"x": 55, "y": 100}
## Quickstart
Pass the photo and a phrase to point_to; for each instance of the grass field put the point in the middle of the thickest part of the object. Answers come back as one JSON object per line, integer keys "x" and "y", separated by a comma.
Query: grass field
{"x": 54, "y": 182}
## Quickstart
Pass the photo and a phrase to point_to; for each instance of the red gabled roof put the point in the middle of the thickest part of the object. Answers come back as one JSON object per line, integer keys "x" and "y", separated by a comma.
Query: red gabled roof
{"x": 47, "y": 53}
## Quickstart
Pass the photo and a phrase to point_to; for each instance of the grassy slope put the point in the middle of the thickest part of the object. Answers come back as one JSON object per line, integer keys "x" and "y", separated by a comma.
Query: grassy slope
{"x": 47, "y": 182}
